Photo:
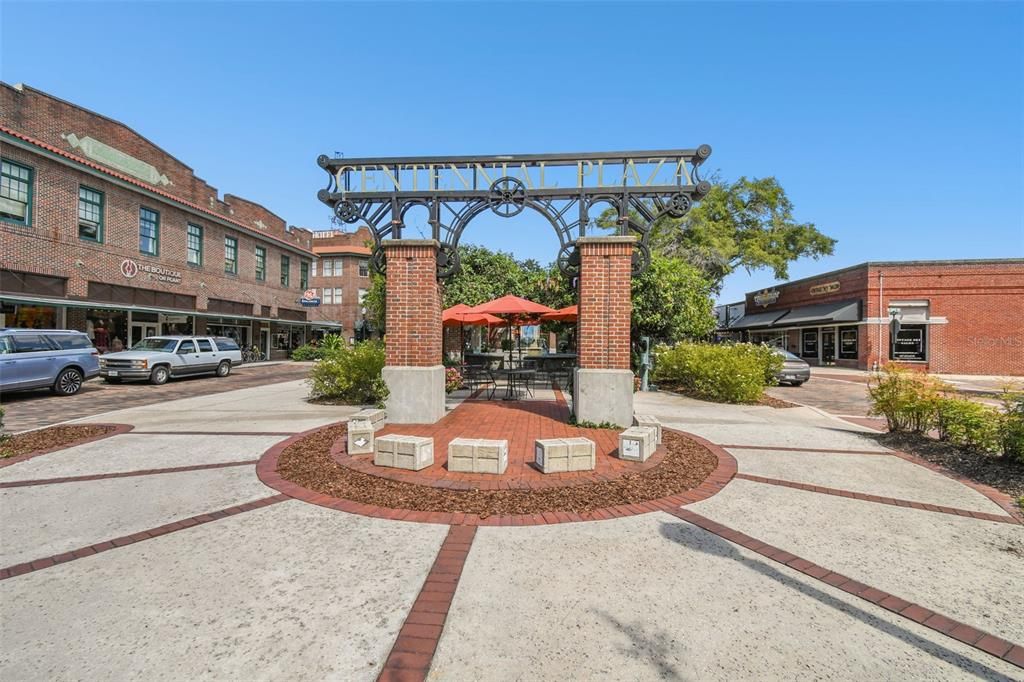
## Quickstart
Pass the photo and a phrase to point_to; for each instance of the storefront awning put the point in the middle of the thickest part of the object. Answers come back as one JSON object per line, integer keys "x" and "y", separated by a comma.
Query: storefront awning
{"x": 821, "y": 313}
{"x": 754, "y": 320}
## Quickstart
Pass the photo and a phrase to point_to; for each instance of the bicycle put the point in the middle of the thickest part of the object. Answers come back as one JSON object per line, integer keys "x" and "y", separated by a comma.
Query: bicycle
{"x": 253, "y": 354}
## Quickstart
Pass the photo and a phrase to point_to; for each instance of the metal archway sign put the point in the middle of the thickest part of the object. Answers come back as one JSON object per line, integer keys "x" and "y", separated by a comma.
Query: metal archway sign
{"x": 569, "y": 190}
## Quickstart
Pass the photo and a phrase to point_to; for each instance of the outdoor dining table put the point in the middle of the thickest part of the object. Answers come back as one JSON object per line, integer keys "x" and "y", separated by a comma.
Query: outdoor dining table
{"x": 515, "y": 378}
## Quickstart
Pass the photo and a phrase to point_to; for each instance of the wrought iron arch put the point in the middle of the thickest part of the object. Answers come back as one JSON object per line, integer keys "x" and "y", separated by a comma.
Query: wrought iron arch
{"x": 568, "y": 209}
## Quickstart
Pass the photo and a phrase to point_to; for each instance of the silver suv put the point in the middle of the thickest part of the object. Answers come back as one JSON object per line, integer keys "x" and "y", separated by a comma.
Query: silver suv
{"x": 159, "y": 358}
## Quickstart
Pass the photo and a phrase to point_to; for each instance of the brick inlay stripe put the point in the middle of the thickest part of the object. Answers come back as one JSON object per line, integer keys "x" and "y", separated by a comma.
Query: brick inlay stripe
{"x": 216, "y": 433}
{"x": 996, "y": 646}
{"x": 892, "y": 501}
{"x": 414, "y": 648}
{"x": 89, "y": 550}
{"x": 124, "y": 474}
{"x": 822, "y": 451}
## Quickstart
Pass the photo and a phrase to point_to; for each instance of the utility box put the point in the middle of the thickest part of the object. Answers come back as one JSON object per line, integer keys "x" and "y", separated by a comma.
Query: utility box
{"x": 375, "y": 416}
{"x": 360, "y": 437}
{"x": 650, "y": 421}
{"x": 478, "y": 455}
{"x": 556, "y": 455}
{"x": 403, "y": 452}
{"x": 637, "y": 443}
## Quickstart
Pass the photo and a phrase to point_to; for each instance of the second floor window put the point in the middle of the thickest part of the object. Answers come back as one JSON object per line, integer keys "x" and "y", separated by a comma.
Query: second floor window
{"x": 149, "y": 231}
{"x": 90, "y": 214}
{"x": 286, "y": 275}
{"x": 194, "y": 245}
{"x": 304, "y": 275}
{"x": 231, "y": 255}
{"x": 332, "y": 267}
{"x": 364, "y": 268}
{"x": 15, "y": 192}
{"x": 261, "y": 263}
{"x": 312, "y": 267}
{"x": 331, "y": 296}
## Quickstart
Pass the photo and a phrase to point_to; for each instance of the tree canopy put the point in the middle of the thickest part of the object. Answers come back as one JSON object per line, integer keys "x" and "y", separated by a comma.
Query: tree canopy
{"x": 743, "y": 224}
{"x": 672, "y": 301}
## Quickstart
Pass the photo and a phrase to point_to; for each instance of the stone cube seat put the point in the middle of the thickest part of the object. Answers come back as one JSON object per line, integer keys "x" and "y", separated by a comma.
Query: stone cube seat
{"x": 478, "y": 455}
{"x": 556, "y": 455}
{"x": 403, "y": 452}
{"x": 360, "y": 437}
{"x": 651, "y": 421}
{"x": 375, "y": 416}
{"x": 637, "y": 443}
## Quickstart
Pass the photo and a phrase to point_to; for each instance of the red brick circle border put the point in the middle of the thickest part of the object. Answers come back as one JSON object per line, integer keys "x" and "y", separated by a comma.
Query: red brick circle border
{"x": 266, "y": 470}
{"x": 115, "y": 430}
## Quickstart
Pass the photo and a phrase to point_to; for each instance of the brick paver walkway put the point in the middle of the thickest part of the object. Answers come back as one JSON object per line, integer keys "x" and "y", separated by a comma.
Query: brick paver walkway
{"x": 35, "y": 409}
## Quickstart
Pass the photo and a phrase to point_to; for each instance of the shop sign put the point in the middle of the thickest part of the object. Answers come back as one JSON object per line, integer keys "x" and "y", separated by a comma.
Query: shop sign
{"x": 822, "y": 289}
{"x": 130, "y": 268}
{"x": 909, "y": 345}
{"x": 765, "y": 298}
{"x": 309, "y": 298}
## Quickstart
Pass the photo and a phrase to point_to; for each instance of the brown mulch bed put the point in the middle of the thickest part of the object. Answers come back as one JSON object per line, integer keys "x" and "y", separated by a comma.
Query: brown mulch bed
{"x": 1002, "y": 474}
{"x": 49, "y": 439}
{"x": 765, "y": 400}
{"x": 308, "y": 463}
{"x": 777, "y": 403}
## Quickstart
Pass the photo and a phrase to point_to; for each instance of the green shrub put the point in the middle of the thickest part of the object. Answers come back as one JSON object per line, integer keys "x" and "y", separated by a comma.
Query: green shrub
{"x": 350, "y": 374}
{"x": 4, "y": 437}
{"x": 969, "y": 424}
{"x": 1012, "y": 431}
{"x": 725, "y": 373}
{"x": 306, "y": 353}
{"x": 908, "y": 400}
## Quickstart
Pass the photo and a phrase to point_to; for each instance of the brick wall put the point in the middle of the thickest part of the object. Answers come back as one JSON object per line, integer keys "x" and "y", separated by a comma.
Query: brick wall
{"x": 605, "y": 302}
{"x": 60, "y": 124}
{"x": 51, "y": 246}
{"x": 413, "y": 304}
{"x": 350, "y": 248}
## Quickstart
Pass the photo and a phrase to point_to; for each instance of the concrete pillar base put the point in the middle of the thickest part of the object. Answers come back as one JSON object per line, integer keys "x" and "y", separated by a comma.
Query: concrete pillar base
{"x": 417, "y": 394}
{"x": 603, "y": 395}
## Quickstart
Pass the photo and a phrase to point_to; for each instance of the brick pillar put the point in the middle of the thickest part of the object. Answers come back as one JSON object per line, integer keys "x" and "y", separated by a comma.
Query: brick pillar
{"x": 603, "y": 390}
{"x": 413, "y": 371}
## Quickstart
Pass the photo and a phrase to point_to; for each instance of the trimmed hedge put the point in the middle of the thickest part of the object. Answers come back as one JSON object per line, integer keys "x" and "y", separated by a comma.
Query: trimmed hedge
{"x": 350, "y": 374}
{"x": 724, "y": 373}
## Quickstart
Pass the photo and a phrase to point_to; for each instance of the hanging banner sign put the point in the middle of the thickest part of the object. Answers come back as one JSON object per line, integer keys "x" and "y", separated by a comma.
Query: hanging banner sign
{"x": 309, "y": 298}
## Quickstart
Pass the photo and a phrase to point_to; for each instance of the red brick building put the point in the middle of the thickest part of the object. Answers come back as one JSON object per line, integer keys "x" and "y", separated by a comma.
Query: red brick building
{"x": 103, "y": 231}
{"x": 955, "y": 317}
{"x": 340, "y": 275}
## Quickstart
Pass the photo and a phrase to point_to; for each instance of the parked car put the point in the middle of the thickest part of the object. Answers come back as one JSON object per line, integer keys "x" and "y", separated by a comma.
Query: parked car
{"x": 58, "y": 359}
{"x": 159, "y": 358}
{"x": 794, "y": 370}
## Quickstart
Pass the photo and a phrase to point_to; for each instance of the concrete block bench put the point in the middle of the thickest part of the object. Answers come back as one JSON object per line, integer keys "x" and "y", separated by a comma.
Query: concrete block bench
{"x": 375, "y": 416}
{"x": 478, "y": 455}
{"x": 555, "y": 455}
{"x": 360, "y": 437}
{"x": 650, "y": 421}
{"x": 403, "y": 452}
{"x": 637, "y": 443}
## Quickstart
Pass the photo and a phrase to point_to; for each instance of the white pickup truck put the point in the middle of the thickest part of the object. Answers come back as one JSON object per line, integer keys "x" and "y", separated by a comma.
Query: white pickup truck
{"x": 159, "y": 358}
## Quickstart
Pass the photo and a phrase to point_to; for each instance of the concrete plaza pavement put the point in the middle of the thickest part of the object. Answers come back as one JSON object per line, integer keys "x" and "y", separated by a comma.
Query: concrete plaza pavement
{"x": 301, "y": 591}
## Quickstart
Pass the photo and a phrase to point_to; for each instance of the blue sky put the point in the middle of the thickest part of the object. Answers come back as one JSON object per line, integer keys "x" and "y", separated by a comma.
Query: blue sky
{"x": 897, "y": 128}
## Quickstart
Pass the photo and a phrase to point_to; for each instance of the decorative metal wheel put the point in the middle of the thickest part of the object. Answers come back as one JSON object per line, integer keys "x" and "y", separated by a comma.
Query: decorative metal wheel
{"x": 508, "y": 196}
{"x": 678, "y": 205}
{"x": 346, "y": 211}
{"x": 641, "y": 258}
{"x": 447, "y": 261}
{"x": 569, "y": 260}
{"x": 378, "y": 261}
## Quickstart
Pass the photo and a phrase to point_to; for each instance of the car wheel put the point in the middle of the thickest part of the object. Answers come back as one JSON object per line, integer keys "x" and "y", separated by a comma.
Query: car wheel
{"x": 798, "y": 384}
{"x": 68, "y": 382}
{"x": 159, "y": 375}
{"x": 224, "y": 369}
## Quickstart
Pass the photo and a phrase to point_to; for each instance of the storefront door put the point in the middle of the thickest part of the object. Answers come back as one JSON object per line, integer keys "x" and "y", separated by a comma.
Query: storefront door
{"x": 141, "y": 330}
{"x": 265, "y": 342}
{"x": 828, "y": 346}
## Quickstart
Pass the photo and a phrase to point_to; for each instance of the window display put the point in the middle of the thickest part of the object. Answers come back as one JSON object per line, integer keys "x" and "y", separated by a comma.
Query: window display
{"x": 848, "y": 343}
{"x": 18, "y": 316}
{"x": 107, "y": 329}
{"x": 809, "y": 343}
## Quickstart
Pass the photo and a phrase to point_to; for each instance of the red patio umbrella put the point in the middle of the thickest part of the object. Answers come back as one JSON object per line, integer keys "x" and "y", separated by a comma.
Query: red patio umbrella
{"x": 569, "y": 314}
{"x": 514, "y": 308}
{"x": 461, "y": 315}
